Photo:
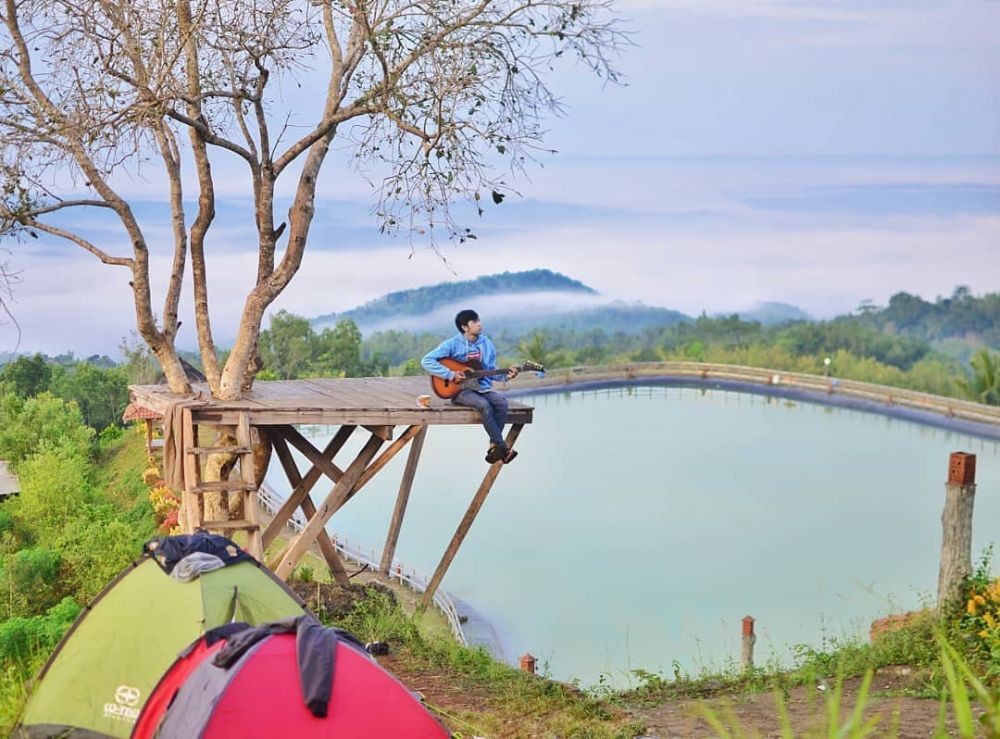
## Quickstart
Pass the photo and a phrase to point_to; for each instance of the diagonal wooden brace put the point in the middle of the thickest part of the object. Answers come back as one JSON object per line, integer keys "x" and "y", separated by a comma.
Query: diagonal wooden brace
{"x": 314, "y": 455}
{"x": 333, "y": 561}
{"x": 392, "y": 537}
{"x": 297, "y": 547}
{"x": 301, "y": 490}
{"x": 466, "y": 523}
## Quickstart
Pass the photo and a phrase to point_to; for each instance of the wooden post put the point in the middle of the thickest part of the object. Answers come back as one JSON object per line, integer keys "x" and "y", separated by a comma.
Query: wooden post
{"x": 251, "y": 514}
{"x": 290, "y": 556}
{"x": 401, "y": 500}
{"x": 749, "y": 639}
{"x": 956, "y": 525}
{"x": 466, "y": 523}
{"x": 327, "y": 547}
{"x": 300, "y": 490}
{"x": 190, "y": 500}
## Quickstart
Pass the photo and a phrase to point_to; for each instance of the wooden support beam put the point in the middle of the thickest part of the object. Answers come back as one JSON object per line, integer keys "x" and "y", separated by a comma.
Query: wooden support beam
{"x": 310, "y": 452}
{"x": 391, "y": 451}
{"x": 466, "y": 523}
{"x": 389, "y": 550}
{"x": 326, "y": 546}
{"x": 382, "y": 432}
{"x": 192, "y": 471}
{"x": 301, "y": 490}
{"x": 298, "y": 545}
{"x": 368, "y": 473}
{"x": 249, "y": 493}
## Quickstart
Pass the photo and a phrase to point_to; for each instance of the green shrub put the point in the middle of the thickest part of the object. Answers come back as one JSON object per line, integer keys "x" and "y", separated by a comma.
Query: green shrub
{"x": 39, "y": 424}
{"x": 22, "y": 638}
{"x": 55, "y": 483}
{"x": 99, "y": 548}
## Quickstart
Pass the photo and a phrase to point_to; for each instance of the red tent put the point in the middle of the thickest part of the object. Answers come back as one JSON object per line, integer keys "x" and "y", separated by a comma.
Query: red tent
{"x": 293, "y": 679}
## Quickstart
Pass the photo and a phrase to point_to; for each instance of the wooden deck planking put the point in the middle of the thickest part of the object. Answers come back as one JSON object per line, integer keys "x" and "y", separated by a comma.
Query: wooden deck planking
{"x": 386, "y": 401}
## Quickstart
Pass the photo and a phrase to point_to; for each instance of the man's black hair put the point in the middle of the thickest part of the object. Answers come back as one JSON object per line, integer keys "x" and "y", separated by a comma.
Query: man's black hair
{"x": 464, "y": 318}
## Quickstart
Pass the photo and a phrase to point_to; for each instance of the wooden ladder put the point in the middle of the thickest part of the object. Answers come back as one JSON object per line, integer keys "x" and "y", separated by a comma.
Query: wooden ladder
{"x": 245, "y": 485}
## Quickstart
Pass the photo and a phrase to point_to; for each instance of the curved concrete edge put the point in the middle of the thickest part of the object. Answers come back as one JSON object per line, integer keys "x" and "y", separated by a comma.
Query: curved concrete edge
{"x": 926, "y": 418}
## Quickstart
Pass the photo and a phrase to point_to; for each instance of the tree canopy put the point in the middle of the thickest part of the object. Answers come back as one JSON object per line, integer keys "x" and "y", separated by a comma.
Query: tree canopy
{"x": 435, "y": 99}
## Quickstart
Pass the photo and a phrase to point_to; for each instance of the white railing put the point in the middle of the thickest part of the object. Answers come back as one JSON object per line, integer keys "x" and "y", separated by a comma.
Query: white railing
{"x": 371, "y": 557}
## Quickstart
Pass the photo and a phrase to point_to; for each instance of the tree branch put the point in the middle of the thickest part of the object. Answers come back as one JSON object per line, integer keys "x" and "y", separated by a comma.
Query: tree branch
{"x": 82, "y": 242}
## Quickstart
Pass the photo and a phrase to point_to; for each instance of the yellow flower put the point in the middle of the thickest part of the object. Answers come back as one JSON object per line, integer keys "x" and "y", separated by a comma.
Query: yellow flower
{"x": 993, "y": 591}
{"x": 970, "y": 607}
{"x": 990, "y": 621}
{"x": 980, "y": 600}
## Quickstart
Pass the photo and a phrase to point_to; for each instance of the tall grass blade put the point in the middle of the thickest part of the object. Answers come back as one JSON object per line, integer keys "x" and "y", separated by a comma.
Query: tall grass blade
{"x": 713, "y": 720}
{"x": 959, "y": 696}
{"x": 859, "y": 705}
{"x": 833, "y": 710}
{"x": 783, "y": 718}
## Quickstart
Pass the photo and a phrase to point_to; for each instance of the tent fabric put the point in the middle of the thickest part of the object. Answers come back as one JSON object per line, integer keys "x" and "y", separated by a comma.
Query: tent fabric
{"x": 268, "y": 690}
{"x": 169, "y": 551}
{"x": 103, "y": 670}
{"x": 159, "y": 698}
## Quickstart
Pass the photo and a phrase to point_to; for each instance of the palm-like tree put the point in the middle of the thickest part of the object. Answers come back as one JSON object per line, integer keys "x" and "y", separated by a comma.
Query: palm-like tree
{"x": 983, "y": 385}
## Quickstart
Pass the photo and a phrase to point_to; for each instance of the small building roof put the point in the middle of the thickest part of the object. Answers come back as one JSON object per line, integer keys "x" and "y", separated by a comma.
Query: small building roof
{"x": 136, "y": 412}
{"x": 8, "y": 482}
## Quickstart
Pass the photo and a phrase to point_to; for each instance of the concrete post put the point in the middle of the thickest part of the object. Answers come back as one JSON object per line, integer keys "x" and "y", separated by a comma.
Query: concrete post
{"x": 749, "y": 639}
{"x": 528, "y": 663}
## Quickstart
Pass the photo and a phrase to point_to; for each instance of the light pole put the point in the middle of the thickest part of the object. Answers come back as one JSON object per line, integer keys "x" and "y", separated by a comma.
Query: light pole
{"x": 826, "y": 366}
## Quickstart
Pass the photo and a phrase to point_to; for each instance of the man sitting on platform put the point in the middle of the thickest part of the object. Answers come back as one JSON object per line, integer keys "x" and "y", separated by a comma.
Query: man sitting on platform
{"x": 472, "y": 347}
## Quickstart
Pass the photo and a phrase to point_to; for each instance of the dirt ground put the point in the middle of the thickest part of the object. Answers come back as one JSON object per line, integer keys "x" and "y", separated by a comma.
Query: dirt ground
{"x": 753, "y": 715}
{"x": 677, "y": 718}
{"x": 903, "y": 717}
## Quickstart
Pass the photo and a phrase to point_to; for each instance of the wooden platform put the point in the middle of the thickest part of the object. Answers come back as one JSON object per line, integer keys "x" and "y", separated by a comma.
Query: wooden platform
{"x": 367, "y": 401}
{"x": 266, "y": 417}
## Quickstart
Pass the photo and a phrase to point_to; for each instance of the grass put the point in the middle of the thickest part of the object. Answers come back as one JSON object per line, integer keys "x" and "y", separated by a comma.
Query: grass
{"x": 963, "y": 689}
{"x": 119, "y": 468}
{"x": 507, "y": 702}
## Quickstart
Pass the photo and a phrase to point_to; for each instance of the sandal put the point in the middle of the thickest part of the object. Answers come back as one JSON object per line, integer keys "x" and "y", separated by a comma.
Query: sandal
{"x": 496, "y": 453}
{"x": 510, "y": 456}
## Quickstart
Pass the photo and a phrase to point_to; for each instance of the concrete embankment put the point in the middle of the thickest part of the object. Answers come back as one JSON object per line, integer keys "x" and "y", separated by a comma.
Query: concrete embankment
{"x": 962, "y": 416}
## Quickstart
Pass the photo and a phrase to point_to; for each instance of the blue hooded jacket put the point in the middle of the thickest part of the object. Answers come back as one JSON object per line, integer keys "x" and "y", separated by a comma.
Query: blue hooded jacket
{"x": 460, "y": 348}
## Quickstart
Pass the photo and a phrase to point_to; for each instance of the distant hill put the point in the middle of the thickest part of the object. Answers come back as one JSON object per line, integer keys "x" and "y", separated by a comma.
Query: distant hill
{"x": 512, "y": 303}
{"x": 422, "y": 301}
{"x": 611, "y": 318}
{"x": 774, "y": 314}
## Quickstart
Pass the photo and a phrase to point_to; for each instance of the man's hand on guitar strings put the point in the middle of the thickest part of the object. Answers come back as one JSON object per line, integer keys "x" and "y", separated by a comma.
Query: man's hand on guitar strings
{"x": 512, "y": 373}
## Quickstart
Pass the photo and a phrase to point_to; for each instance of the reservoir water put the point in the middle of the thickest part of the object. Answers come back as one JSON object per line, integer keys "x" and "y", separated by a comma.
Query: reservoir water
{"x": 639, "y": 525}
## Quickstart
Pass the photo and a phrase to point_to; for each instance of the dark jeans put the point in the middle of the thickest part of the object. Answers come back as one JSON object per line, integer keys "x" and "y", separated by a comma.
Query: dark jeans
{"x": 493, "y": 408}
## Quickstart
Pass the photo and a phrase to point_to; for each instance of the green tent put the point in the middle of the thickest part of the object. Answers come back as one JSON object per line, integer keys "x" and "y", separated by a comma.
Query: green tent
{"x": 103, "y": 670}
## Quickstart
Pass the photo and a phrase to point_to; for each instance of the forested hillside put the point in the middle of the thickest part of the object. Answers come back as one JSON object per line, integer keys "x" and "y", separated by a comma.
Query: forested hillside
{"x": 423, "y": 300}
{"x": 962, "y": 315}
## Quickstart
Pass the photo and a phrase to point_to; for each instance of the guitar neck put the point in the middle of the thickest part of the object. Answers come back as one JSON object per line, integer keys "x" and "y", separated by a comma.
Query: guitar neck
{"x": 487, "y": 373}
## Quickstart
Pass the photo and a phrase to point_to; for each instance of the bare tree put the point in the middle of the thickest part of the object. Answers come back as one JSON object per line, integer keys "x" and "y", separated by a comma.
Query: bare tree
{"x": 436, "y": 92}
{"x": 7, "y": 280}
{"x": 435, "y": 95}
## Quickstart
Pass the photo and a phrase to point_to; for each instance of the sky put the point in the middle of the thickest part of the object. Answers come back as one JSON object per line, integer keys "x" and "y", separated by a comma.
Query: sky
{"x": 813, "y": 152}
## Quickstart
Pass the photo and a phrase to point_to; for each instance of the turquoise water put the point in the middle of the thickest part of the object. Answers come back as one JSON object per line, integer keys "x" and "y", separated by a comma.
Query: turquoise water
{"x": 638, "y": 526}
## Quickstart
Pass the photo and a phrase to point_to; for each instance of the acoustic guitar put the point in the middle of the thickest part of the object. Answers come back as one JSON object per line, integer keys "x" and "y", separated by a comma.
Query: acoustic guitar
{"x": 449, "y": 388}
